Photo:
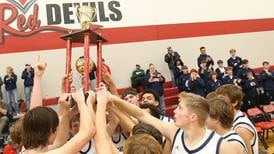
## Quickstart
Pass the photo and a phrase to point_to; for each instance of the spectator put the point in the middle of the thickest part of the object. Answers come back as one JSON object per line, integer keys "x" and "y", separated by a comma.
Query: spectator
{"x": 204, "y": 57}
{"x": 220, "y": 70}
{"x": 234, "y": 61}
{"x": 242, "y": 73}
{"x": 204, "y": 71}
{"x": 213, "y": 83}
{"x": 10, "y": 85}
{"x": 177, "y": 69}
{"x": 27, "y": 76}
{"x": 196, "y": 84}
{"x": 229, "y": 78}
{"x": 138, "y": 77}
{"x": 155, "y": 81}
{"x": 267, "y": 79}
{"x": 170, "y": 58}
{"x": 183, "y": 80}
{"x": 250, "y": 90}
{"x": 3, "y": 116}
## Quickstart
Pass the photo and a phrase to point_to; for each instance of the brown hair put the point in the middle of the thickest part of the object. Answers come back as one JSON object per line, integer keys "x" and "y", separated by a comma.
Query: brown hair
{"x": 233, "y": 92}
{"x": 16, "y": 131}
{"x": 212, "y": 73}
{"x": 142, "y": 128}
{"x": 197, "y": 105}
{"x": 222, "y": 110}
{"x": 220, "y": 61}
{"x": 38, "y": 124}
{"x": 193, "y": 70}
{"x": 142, "y": 144}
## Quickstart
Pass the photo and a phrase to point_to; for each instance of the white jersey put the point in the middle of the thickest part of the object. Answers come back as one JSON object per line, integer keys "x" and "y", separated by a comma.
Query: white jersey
{"x": 89, "y": 148}
{"x": 166, "y": 119}
{"x": 210, "y": 144}
{"x": 240, "y": 120}
{"x": 232, "y": 136}
{"x": 118, "y": 139}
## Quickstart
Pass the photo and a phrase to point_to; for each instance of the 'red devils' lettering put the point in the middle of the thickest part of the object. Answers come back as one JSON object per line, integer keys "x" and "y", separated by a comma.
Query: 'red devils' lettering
{"x": 26, "y": 26}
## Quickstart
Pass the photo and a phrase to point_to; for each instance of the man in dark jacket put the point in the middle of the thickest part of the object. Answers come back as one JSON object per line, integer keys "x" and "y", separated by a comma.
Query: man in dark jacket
{"x": 229, "y": 78}
{"x": 170, "y": 58}
{"x": 267, "y": 80}
{"x": 27, "y": 76}
{"x": 183, "y": 79}
{"x": 155, "y": 81}
{"x": 234, "y": 61}
{"x": 242, "y": 73}
{"x": 250, "y": 90}
{"x": 196, "y": 84}
{"x": 205, "y": 57}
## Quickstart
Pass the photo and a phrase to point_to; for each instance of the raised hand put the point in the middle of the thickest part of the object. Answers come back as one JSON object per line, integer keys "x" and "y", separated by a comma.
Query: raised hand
{"x": 67, "y": 79}
{"x": 102, "y": 94}
{"x": 40, "y": 67}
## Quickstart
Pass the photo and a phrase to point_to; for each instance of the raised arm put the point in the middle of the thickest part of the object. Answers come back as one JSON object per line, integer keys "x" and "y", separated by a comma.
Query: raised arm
{"x": 167, "y": 129}
{"x": 36, "y": 96}
{"x": 109, "y": 82}
{"x": 101, "y": 137}
{"x": 64, "y": 116}
{"x": 86, "y": 130}
{"x": 124, "y": 120}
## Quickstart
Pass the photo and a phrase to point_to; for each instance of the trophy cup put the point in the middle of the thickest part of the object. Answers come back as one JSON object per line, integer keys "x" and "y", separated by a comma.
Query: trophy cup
{"x": 80, "y": 65}
{"x": 85, "y": 14}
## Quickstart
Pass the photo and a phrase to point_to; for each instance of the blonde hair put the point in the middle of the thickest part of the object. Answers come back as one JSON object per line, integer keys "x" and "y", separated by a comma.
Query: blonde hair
{"x": 196, "y": 104}
{"x": 9, "y": 68}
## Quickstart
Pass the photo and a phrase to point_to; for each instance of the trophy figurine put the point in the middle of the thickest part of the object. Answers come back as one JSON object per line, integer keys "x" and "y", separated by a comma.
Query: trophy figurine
{"x": 85, "y": 15}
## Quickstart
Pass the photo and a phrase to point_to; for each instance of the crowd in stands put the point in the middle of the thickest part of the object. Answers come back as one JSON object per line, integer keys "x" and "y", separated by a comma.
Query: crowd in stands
{"x": 206, "y": 79}
{"x": 207, "y": 119}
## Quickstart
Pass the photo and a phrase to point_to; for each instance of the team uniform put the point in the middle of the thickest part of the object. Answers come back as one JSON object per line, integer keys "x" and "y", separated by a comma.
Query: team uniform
{"x": 118, "y": 139}
{"x": 240, "y": 120}
{"x": 208, "y": 145}
{"x": 89, "y": 148}
{"x": 232, "y": 136}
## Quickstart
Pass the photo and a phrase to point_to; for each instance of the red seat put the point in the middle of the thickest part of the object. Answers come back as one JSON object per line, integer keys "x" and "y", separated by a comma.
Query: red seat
{"x": 256, "y": 114}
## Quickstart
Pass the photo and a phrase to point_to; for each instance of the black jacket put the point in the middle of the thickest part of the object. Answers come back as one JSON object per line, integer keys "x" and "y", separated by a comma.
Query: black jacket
{"x": 197, "y": 86}
{"x": 10, "y": 82}
{"x": 28, "y": 77}
{"x": 267, "y": 80}
{"x": 234, "y": 63}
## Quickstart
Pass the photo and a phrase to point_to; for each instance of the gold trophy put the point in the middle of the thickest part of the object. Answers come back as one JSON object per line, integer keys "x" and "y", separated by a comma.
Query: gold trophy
{"x": 80, "y": 65}
{"x": 85, "y": 14}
